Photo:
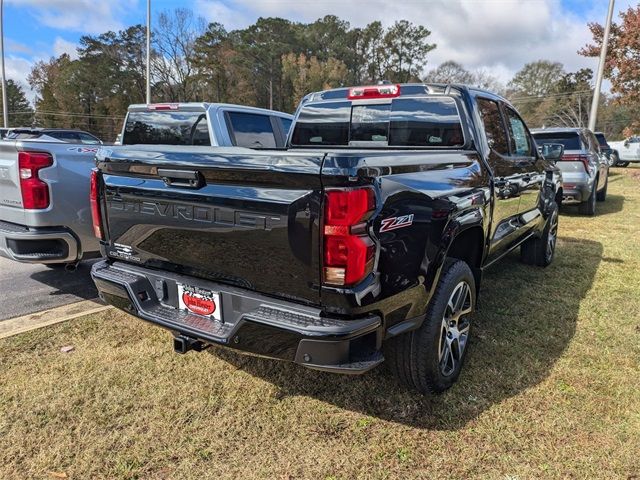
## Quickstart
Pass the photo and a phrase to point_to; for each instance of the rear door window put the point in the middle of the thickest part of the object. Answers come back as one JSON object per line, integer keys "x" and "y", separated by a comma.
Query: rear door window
{"x": 493, "y": 126}
{"x": 251, "y": 130}
{"x": 166, "y": 127}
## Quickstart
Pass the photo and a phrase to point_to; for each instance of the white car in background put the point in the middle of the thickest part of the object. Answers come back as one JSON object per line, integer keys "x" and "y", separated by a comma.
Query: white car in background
{"x": 628, "y": 151}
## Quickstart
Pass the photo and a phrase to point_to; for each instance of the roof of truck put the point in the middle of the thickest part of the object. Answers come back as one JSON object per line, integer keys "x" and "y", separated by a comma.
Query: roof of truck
{"x": 405, "y": 89}
{"x": 186, "y": 106}
{"x": 559, "y": 130}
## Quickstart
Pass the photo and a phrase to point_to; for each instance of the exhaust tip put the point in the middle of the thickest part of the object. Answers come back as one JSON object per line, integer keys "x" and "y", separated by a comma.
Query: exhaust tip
{"x": 71, "y": 267}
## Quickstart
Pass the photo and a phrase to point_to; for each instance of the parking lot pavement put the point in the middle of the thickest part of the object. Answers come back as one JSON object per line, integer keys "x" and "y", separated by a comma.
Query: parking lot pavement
{"x": 28, "y": 289}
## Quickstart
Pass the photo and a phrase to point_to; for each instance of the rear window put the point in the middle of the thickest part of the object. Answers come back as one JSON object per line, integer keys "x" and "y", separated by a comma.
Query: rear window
{"x": 166, "y": 128}
{"x": 403, "y": 122}
{"x": 570, "y": 140}
{"x": 251, "y": 130}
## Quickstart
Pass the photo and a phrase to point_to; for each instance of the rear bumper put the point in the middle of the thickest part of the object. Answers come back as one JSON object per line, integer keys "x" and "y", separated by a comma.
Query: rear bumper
{"x": 37, "y": 245}
{"x": 250, "y": 322}
{"x": 576, "y": 188}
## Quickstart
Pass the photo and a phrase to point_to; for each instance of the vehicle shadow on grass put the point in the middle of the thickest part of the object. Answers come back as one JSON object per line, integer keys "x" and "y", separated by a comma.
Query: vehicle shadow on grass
{"x": 613, "y": 204}
{"x": 526, "y": 320}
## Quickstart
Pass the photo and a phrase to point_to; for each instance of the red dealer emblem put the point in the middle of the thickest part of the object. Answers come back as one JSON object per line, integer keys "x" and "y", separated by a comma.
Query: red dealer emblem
{"x": 199, "y": 305}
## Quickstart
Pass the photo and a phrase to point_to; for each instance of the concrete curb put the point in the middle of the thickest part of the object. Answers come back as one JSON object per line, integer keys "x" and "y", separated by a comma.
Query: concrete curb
{"x": 33, "y": 321}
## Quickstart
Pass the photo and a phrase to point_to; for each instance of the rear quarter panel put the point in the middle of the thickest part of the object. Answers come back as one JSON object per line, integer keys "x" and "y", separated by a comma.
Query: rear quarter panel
{"x": 444, "y": 192}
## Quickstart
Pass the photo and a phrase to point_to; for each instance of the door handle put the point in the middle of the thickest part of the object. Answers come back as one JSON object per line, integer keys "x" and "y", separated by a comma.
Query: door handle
{"x": 181, "y": 178}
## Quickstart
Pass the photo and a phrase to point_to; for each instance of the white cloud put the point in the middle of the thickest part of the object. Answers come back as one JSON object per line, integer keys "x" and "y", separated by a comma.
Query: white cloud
{"x": 84, "y": 16}
{"x": 60, "y": 46}
{"x": 216, "y": 11}
{"x": 18, "y": 69}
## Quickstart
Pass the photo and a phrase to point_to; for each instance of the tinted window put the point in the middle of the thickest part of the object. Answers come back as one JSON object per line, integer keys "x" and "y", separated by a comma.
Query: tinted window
{"x": 425, "y": 122}
{"x": 71, "y": 137}
{"x": 251, "y": 130}
{"x": 493, "y": 126}
{"x": 323, "y": 124}
{"x": 404, "y": 122}
{"x": 601, "y": 140}
{"x": 518, "y": 135}
{"x": 166, "y": 128}
{"x": 370, "y": 123}
{"x": 570, "y": 140}
{"x": 286, "y": 125}
{"x": 88, "y": 139}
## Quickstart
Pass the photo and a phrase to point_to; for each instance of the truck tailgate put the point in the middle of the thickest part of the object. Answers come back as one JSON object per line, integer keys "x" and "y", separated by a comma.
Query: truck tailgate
{"x": 251, "y": 219}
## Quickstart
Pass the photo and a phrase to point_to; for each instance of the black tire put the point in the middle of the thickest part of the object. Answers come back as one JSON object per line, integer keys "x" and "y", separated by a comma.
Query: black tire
{"x": 588, "y": 207}
{"x": 622, "y": 164}
{"x": 601, "y": 196}
{"x": 415, "y": 357}
{"x": 541, "y": 250}
{"x": 615, "y": 159}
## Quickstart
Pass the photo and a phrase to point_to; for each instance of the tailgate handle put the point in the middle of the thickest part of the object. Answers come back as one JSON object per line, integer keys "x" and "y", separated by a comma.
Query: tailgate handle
{"x": 181, "y": 178}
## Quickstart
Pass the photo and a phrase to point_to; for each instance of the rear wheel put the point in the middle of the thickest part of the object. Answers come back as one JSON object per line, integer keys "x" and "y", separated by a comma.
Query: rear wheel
{"x": 589, "y": 207}
{"x": 601, "y": 196}
{"x": 540, "y": 251}
{"x": 430, "y": 358}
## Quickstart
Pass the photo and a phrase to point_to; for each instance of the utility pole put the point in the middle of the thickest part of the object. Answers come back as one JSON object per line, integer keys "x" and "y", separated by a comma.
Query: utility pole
{"x": 148, "y": 51}
{"x": 593, "y": 116}
{"x": 5, "y": 107}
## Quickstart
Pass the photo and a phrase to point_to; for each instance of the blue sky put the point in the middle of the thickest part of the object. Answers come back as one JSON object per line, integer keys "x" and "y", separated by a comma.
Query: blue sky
{"x": 497, "y": 36}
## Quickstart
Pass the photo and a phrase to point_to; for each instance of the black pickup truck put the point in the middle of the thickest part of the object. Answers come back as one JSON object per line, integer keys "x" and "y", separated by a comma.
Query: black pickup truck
{"x": 364, "y": 239}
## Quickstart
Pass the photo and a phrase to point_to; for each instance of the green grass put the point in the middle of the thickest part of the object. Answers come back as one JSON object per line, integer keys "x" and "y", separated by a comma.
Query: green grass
{"x": 551, "y": 388}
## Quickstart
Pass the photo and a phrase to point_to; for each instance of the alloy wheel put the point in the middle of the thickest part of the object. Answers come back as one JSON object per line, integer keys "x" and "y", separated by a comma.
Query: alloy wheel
{"x": 454, "y": 332}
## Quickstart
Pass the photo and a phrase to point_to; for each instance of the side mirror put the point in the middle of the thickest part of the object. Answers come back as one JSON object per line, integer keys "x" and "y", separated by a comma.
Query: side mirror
{"x": 552, "y": 151}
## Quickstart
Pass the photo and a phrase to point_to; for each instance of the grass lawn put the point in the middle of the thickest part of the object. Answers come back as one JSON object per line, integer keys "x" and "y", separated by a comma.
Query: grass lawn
{"x": 551, "y": 388}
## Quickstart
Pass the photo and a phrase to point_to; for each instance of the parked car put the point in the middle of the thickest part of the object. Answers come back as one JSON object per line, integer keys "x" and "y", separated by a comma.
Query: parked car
{"x": 4, "y": 132}
{"x": 45, "y": 215}
{"x": 610, "y": 154}
{"x": 210, "y": 124}
{"x": 628, "y": 151}
{"x": 366, "y": 239}
{"x": 585, "y": 170}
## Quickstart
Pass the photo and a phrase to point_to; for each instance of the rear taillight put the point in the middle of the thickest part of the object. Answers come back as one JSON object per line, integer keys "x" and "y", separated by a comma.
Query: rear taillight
{"x": 95, "y": 205}
{"x": 35, "y": 192}
{"x": 348, "y": 251}
{"x": 374, "y": 91}
{"x": 577, "y": 158}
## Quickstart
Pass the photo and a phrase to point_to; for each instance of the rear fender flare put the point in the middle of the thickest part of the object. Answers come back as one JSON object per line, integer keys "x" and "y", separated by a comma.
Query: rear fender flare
{"x": 459, "y": 224}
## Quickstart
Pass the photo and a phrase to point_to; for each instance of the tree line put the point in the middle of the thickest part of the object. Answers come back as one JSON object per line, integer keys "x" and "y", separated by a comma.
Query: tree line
{"x": 275, "y": 62}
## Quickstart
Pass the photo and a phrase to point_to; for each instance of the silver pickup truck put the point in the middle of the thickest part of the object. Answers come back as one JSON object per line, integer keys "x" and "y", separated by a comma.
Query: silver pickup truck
{"x": 45, "y": 214}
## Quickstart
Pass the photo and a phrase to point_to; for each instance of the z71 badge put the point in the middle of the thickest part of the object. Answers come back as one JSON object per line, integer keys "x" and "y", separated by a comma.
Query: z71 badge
{"x": 394, "y": 223}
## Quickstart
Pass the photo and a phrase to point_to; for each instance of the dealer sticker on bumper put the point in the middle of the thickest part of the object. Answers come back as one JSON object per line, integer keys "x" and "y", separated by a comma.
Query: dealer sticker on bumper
{"x": 199, "y": 301}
